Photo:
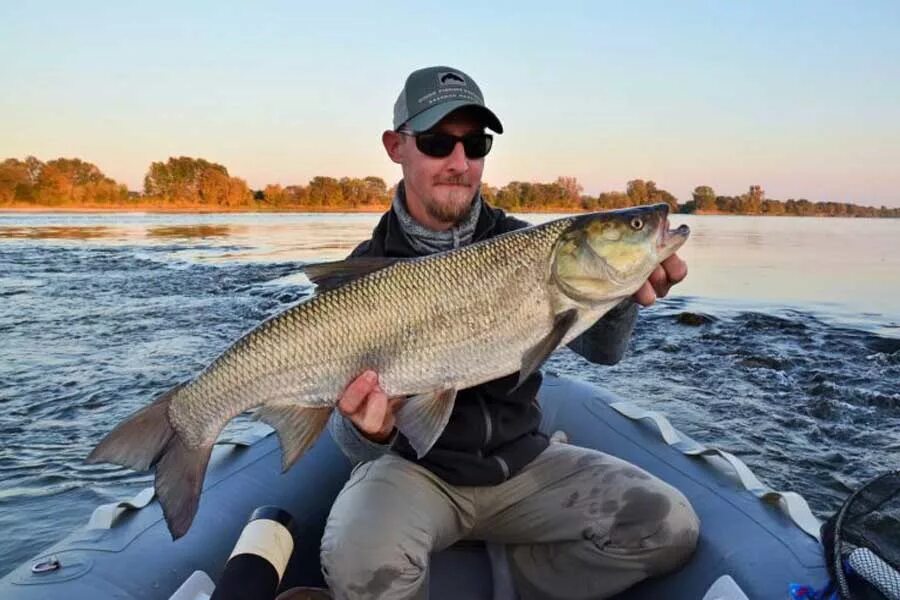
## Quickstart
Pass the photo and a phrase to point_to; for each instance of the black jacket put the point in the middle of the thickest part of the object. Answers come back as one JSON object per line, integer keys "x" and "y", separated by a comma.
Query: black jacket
{"x": 492, "y": 432}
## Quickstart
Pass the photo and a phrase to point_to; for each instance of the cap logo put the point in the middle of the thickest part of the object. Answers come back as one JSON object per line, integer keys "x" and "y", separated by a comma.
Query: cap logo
{"x": 451, "y": 78}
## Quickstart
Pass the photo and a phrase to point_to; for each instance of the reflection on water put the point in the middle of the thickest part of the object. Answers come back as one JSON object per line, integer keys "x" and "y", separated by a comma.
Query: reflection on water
{"x": 212, "y": 237}
{"x": 190, "y": 231}
{"x": 58, "y": 232}
{"x": 754, "y": 239}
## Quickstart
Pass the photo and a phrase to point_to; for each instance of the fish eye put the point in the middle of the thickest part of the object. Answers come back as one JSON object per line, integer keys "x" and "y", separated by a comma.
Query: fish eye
{"x": 637, "y": 223}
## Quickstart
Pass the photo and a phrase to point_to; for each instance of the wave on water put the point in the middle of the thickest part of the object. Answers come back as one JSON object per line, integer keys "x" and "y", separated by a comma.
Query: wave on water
{"x": 812, "y": 406}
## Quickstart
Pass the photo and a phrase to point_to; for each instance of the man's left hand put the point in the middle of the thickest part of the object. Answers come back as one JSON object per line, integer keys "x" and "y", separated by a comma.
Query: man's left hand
{"x": 668, "y": 273}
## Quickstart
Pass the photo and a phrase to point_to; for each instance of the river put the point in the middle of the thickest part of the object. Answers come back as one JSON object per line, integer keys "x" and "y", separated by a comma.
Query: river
{"x": 795, "y": 366}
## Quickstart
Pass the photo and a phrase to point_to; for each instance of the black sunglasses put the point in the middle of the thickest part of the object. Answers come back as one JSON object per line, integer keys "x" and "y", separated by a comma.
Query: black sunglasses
{"x": 440, "y": 145}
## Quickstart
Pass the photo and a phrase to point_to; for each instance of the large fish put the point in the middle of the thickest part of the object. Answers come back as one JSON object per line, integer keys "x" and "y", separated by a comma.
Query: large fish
{"x": 429, "y": 326}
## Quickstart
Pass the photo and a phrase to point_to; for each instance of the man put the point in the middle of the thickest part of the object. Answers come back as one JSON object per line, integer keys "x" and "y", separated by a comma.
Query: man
{"x": 491, "y": 475}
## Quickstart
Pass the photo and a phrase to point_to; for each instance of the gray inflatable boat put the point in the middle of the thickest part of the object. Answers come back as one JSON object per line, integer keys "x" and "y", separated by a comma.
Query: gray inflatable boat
{"x": 754, "y": 541}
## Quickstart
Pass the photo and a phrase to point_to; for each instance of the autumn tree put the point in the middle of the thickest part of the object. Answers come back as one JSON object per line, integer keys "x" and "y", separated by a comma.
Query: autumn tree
{"x": 571, "y": 191}
{"x": 772, "y": 207}
{"x": 59, "y": 182}
{"x": 273, "y": 195}
{"x": 704, "y": 199}
{"x": 637, "y": 192}
{"x": 325, "y": 191}
{"x": 196, "y": 180}
{"x": 376, "y": 191}
{"x": 751, "y": 202}
{"x": 296, "y": 195}
{"x": 645, "y": 192}
{"x": 16, "y": 182}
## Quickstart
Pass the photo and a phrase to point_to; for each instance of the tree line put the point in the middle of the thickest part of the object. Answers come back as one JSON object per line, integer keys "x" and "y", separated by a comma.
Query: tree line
{"x": 754, "y": 202}
{"x": 60, "y": 182}
{"x": 186, "y": 183}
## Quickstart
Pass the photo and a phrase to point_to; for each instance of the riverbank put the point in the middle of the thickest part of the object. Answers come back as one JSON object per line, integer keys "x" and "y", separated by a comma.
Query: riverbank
{"x": 226, "y": 209}
{"x": 189, "y": 210}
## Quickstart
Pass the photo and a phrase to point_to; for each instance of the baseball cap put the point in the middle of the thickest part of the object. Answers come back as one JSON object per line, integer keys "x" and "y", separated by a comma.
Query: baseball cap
{"x": 432, "y": 93}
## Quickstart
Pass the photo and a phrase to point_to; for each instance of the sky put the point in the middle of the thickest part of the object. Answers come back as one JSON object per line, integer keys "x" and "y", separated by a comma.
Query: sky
{"x": 802, "y": 98}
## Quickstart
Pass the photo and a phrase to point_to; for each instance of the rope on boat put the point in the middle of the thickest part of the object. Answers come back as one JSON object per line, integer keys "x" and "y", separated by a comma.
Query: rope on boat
{"x": 791, "y": 503}
{"x": 105, "y": 514}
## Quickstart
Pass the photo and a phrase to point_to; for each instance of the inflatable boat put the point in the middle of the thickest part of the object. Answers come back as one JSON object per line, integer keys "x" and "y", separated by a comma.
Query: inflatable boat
{"x": 754, "y": 543}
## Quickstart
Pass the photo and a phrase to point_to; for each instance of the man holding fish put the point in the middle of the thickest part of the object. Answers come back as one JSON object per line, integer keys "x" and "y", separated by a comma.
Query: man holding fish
{"x": 440, "y": 322}
{"x": 576, "y": 523}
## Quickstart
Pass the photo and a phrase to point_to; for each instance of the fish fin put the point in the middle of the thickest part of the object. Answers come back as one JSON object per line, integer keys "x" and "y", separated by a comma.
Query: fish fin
{"x": 138, "y": 441}
{"x": 298, "y": 427}
{"x": 535, "y": 357}
{"x": 422, "y": 418}
{"x": 330, "y": 275}
{"x": 179, "y": 481}
{"x": 147, "y": 438}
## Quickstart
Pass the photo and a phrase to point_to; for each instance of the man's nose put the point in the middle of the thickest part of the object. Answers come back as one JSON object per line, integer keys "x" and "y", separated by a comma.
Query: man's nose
{"x": 457, "y": 160}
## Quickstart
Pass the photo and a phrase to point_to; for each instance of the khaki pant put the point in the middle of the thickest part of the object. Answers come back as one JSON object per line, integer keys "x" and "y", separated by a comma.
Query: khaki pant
{"x": 577, "y": 524}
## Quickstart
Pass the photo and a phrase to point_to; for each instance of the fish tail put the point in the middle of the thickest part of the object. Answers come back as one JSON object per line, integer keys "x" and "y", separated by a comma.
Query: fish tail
{"x": 179, "y": 481}
{"x": 138, "y": 441}
{"x": 147, "y": 438}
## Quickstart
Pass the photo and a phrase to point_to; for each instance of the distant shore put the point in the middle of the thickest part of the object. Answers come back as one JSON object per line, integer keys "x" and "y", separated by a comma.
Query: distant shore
{"x": 185, "y": 210}
{"x": 331, "y": 209}
{"x": 191, "y": 185}
{"x": 225, "y": 209}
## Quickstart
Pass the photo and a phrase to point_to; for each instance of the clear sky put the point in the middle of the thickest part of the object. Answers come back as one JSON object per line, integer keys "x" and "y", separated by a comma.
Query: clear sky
{"x": 802, "y": 98}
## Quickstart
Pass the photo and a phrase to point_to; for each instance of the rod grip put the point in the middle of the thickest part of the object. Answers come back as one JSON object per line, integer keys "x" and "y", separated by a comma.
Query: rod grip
{"x": 259, "y": 558}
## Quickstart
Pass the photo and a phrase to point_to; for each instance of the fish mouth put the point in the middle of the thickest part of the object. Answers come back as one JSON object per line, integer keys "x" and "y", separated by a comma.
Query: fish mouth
{"x": 670, "y": 240}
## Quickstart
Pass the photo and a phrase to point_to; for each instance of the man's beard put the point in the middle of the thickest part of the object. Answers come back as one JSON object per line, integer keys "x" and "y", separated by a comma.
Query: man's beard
{"x": 453, "y": 211}
{"x": 448, "y": 212}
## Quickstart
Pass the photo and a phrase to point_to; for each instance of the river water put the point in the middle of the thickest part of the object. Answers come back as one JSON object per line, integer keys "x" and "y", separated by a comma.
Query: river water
{"x": 795, "y": 365}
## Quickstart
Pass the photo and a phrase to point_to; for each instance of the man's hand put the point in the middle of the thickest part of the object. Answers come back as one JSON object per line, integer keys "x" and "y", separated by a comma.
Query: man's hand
{"x": 369, "y": 408}
{"x": 668, "y": 273}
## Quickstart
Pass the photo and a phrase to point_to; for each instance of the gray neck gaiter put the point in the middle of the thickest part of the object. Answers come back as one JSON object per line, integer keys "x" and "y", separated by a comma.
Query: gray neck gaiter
{"x": 426, "y": 241}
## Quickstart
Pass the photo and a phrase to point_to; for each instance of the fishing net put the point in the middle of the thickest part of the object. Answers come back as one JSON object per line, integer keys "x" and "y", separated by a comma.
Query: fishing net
{"x": 862, "y": 542}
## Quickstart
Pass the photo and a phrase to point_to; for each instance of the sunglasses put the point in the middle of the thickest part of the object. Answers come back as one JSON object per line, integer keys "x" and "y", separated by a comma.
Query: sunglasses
{"x": 441, "y": 145}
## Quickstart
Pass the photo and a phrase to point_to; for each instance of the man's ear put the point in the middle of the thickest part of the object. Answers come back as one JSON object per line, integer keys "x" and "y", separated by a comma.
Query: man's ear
{"x": 393, "y": 144}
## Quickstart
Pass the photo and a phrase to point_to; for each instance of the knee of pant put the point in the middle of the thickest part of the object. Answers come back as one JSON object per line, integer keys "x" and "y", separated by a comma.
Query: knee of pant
{"x": 677, "y": 537}
{"x": 657, "y": 523}
{"x": 369, "y": 571}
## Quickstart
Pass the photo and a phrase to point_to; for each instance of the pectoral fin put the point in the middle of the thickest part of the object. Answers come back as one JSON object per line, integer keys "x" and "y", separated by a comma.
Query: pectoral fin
{"x": 298, "y": 427}
{"x": 422, "y": 418}
{"x": 534, "y": 358}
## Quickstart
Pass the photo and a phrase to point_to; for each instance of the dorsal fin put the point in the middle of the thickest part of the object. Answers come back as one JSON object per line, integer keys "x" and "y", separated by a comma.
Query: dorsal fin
{"x": 330, "y": 275}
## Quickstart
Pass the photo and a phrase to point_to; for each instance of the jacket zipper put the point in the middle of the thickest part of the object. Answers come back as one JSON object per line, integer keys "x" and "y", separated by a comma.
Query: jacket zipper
{"x": 503, "y": 466}
{"x": 488, "y": 426}
{"x": 488, "y": 434}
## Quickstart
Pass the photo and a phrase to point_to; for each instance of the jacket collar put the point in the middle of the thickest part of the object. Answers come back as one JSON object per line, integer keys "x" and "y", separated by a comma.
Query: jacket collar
{"x": 394, "y": 243}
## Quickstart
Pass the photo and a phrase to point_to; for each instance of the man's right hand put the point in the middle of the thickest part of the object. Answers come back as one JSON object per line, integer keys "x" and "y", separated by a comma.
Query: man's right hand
{"x": 369, "y": 408}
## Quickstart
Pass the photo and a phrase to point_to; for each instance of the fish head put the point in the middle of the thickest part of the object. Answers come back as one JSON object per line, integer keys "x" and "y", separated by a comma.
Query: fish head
{"x": 610, "y": 254}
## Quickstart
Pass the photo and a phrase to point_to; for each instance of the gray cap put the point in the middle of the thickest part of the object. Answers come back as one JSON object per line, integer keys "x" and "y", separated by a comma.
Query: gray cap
{"x": 432, "y": 93}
